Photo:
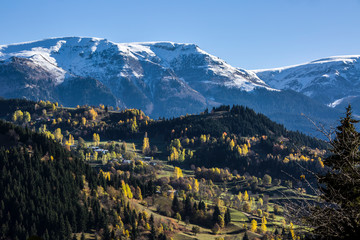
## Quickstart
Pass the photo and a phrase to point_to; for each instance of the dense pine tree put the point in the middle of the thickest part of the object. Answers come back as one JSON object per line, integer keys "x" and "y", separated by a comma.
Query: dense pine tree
{"x": 227, "y": 216}
{"x": 338, "y": 217}
{"x": 216, "y": 214}
{"x": 175, "y": 205}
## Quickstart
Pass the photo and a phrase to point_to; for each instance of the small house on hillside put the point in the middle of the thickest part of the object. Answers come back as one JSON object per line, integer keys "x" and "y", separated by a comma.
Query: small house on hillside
{"x": 127, "y": 161}
{"x": 100, "y": 150}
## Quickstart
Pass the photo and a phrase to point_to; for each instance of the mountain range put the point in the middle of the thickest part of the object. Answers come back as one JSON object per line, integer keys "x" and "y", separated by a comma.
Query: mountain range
{"x": 167, "y": 79}
{"x": 332, "y": 81}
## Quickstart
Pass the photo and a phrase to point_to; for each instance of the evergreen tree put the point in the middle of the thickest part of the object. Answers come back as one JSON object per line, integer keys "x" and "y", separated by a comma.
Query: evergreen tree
{"x": 188, "y": 208}
{"x": 195, "y": 230}
{"x": 216, "y": 214}
{"x": 106, "y": 235}
{"x": 245, "y": 237}
{"x": 152, "y": 231}
{"x": 175, "y": 205}
{"x": 227, "y": 217}
{"x": 338, "y": 217}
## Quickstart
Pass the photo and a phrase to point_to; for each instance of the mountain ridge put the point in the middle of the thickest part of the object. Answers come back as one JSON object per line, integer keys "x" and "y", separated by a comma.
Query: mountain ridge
{"x": 333, "y": 81}
{"x": 155, "y": 51}
{"x": 164, "y": 79}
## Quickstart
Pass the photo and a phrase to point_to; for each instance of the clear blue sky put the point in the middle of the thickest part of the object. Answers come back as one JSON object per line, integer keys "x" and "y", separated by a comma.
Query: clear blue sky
{"x": 245, "y": 33}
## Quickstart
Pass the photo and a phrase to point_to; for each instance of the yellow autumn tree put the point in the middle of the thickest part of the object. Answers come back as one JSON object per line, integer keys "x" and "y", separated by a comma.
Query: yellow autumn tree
{"x": 128, "y": 191}
{"x": 106, "y": 175}
{"x": 261, "y": 202}
{"x": 96, "y": 139}
{"x": 253, "y": 226}
{"x": 17, "y": 116}
{"x": 238, "y": 149}
{"x": 134, "y": 127}
{"x": 27, "y": 117}
{"x": 174, "y": 154}
{"x": 196, "y": 185}
{"x": 95, "y": 156}
{"x": 49, "y": 135}
{"x": 138, "y": 193}
{"x": 93, "y": 114}
{"x": 203, "y": 138}
{"x": 123, "y": 188}
{"x": 263, "y": 224}
{"x": 146, "y": 145}
{"x": 232, "y": 144}
{"x": 177, "y": 173}
{"x": 246, "y": 196}
{"x": 240, "y": 196}
{"x": 245, "y": 149}
{"x": 57, "y": 134}
{"x": 71, "y": 140}
{"x": 292, "y": 232}
{"x": 223, "y": 136}
{"x": 83, "y": 121}
{"x": 320, "y": 162}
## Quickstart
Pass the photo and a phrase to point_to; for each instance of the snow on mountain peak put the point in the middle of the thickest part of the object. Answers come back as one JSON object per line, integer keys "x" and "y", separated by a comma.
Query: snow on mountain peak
{"x": 330, "y": 60}
{"x": 103, "y": 59}
{"x": 331, "y": 79}
{"x": 344, "y": 59}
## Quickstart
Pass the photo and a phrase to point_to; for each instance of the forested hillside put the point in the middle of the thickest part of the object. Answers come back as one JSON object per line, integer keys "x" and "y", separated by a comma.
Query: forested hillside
{"x": 40, "y": 184}
{"x": 49, "y": 192}
{"x": 215, "y": 138}
{"x": 99, "y": 172}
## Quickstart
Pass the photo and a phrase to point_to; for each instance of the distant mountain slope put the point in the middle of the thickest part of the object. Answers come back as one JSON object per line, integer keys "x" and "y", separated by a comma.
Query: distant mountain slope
{"x": 333, "y": 81}
{"x": 161, "y": 78}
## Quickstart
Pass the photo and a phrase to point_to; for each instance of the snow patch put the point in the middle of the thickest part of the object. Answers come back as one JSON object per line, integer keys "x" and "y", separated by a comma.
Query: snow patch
{"x": 335, "y": 59}
{"x": 341, "y": 100}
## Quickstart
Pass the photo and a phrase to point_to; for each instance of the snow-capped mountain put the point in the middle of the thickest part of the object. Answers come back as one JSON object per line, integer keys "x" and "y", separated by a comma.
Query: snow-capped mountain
{"x": 137, "y": 74}
{"x": 334, "y": 81}
{"x": 161, "y": 78}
